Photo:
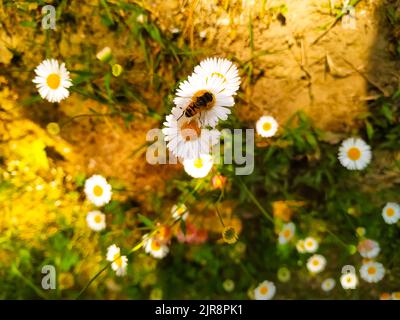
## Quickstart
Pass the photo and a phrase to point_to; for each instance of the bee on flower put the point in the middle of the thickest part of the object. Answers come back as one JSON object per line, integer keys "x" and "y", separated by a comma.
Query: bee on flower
{"x": 119, "y": 263}
{"x": 97, "y": 190}
{"x": 52, "y": 80}
{"x": 391, "y": 213}
{"x": 265, "y": 291}
{"x": 368, "y": 248}
{"x": 287, "y": 233}
{"x": 200, "y": 167}
{"x": 372, "y": 271}
{"x": 266, "y": 126}
{"x": 96, "y": 220}
{"x": 316, "y": 263}
{"x": 355, "y": 154}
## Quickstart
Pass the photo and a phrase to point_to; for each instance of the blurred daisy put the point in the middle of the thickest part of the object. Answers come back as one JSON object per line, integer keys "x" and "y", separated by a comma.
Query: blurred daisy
{"x": 368, "y": 248}
{"x": 265, "y": 291}
{"x": 385, "y": 296}
{"x": 349, "y": 281}
{"x": 266, "y": 126}
{"x": 396, "y": 295}
{"x": 310, "y": 244}
{"x": 300, "y": 246}
{"x": 119, "y": 263}
{"x": 372, "y": 271}
{"x": 287, "y": 233}
{"x": 316, "y": 263}
{"x": 391, "y": 213}
{"x": 97, "y": 190}
{"x": 155, "y": 247}
{"x": 355, "y": 154}
{"x": 186, "y": 139}
{"x": 328, "y": 284}
{"x": 196, "y": 85}
{"x": 179, "y": 212}
{"x": 52, "y": 80}
{"x": 96, "y": 220}
{"x": 200, "y": 167}
{"x": 223, "y": 69}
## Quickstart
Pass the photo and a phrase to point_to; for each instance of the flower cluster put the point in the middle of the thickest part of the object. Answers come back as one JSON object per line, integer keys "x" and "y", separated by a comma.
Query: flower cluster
{"x": 201, "y": 101}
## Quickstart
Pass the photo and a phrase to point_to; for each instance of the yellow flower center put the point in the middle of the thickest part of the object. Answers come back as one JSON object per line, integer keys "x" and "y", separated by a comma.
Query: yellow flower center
{"x": 117, "y": 260}
{"x": 190, "y": 131}
{"x": 267, "y": 126}
{"x": 97, "y": 191}
{"x": 371, "y": 270}
{"x": 354, "y": 153}
{"x": 97, "y": 218}
{"x": 287, "y": 233}
{"x": 264, "y": 290}
{"x": 315, "y": 262}
{"x": 198, "y": 163}
{"x": 53, "y": 81}
{"x": 155, "y": 245}
{"x": 349, "y": 279}
{"x": 390, "y": 212}
{"x": 309, "y": 243}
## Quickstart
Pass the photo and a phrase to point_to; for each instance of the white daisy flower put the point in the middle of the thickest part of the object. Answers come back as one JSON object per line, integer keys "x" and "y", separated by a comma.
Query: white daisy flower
{"x": 200, "y": 167}
{"x": 195, "y": 86}
{"x": 391, "y": 213}
{"x": 96, "y": 220}
{"x": 97, "y": 190}
{"x": 179, "y": 212}
{"x": 316, "y": 263}
{"x": 155, "y": 247}
{"x": 266, "y": 126}
{"x": 311, "y": 244}
{"x": 119, "y": 263}
{"x": 368, "y": 248}
{"x": 355, "y": 154}
{"x": 300, "y": 246}
{"x": 349, "y": 280}
{"x": 186, "y": 139}
{"x": 265, "y": 291}
{"x": 372, "y": 271}
{"x": 223, "y": 69}
{"x": 328, "y": 284}
{"x": 287, "y": 233}
{"x": 52, "y": 80}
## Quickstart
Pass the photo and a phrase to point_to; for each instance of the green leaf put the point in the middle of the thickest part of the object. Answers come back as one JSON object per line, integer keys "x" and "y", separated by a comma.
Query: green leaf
{"x": 370, "y": 130}
{"x": 146, "y": 221}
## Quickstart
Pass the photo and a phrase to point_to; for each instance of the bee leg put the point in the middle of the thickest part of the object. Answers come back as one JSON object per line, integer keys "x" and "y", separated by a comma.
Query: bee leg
{"x": 180, "y": 116}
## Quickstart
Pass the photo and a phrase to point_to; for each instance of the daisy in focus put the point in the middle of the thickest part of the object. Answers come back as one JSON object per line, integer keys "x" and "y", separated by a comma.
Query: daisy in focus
{"x": 316, "y": 263}
{"x": 119, "y": 263}
{"x": 186, "y": 139}
{"x": 368, "y": 248}
{"x": 179, "y": 212}
{"x": 265, "y": 291}
{"x": 266, "y": 126}
{"x": 52, "y": 80}
{"x": 287, "y": 233}
{"x": 97, "y": 190}
{"x": 200, "y": 167}
{"x": 349, "y": 281}
{"x": 355, "y": 154}
{"x": 96, "y": 220}
{"x": 197, "y": 86}
{"x": 391, "y": 213}
{"x": 372, "y": 271}
{"x": 310, "y": 244}
{"x": 328, "y": 284}
{"x": 223, "y": 69}
{"x": 155, "y": 247}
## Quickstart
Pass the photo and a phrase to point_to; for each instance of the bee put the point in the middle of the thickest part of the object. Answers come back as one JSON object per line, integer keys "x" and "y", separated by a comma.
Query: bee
{"x": 203, "y": 100}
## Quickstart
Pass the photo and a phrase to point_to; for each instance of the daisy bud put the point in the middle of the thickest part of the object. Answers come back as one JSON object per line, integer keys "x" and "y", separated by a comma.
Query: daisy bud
{"x": 229, "y": 235}
{"x": 228, "y": 285}
{"x": 104, "y": 55}
{"x": 116, "y": 70}
{"x": 283, "y": 274}
{"x": 218, "y": 181}
{"x": 53, "y": 128}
